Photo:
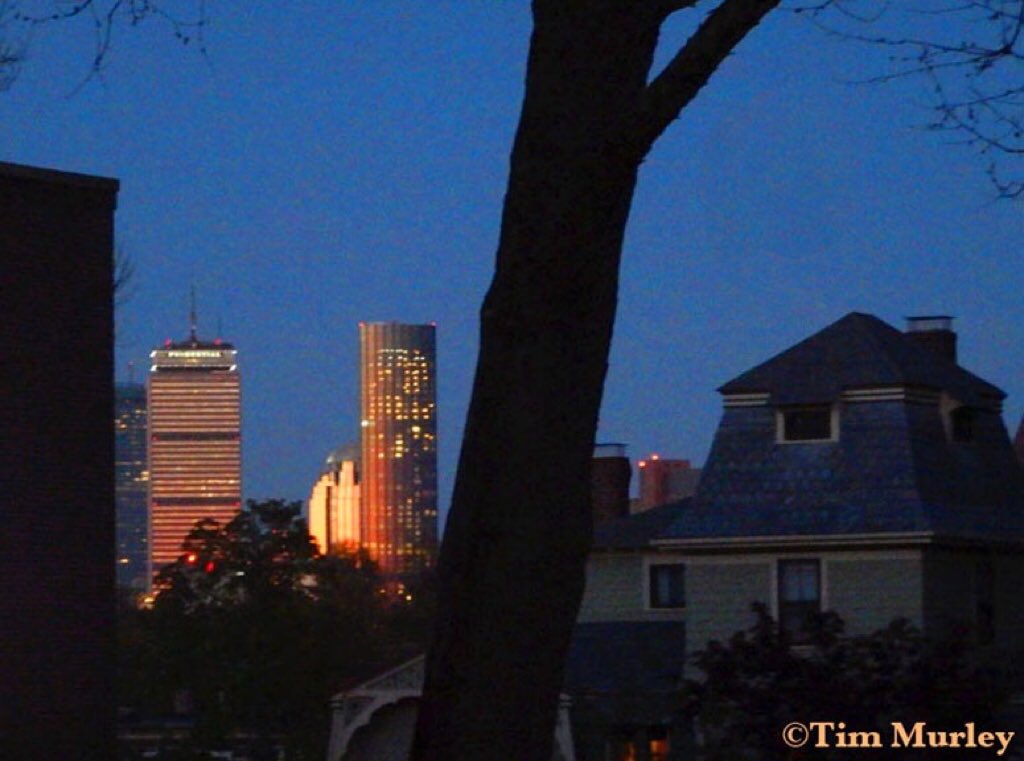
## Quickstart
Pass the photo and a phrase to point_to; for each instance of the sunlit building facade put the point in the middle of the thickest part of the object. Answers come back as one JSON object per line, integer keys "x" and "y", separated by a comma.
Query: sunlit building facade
{"x": 131, "y": 485}
{"x": 195, "y": 441}
{"x": 333, "y": 507}
{"x": 398, "y": 405}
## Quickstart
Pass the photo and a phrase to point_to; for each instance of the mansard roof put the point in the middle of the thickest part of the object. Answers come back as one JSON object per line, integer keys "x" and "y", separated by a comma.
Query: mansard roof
{"x": 892, "y": 468}
{"x": 859, "y": 351}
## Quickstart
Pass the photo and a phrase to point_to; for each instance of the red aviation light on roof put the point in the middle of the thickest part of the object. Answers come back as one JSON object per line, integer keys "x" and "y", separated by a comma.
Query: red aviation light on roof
{"x": 168, "y": 342}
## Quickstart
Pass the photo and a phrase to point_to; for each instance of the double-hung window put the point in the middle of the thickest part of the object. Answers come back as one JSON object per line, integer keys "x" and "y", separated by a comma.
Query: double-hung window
{"x": 667, "y": 585}
{"x": 799, "y": 597}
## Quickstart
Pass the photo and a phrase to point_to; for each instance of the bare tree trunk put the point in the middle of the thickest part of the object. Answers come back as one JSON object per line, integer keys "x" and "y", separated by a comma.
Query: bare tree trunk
{"x": 511, "y": 568}
{"x": 514, "y": 551}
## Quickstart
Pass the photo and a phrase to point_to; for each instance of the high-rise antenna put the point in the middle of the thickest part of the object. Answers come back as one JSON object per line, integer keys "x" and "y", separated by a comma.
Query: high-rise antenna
{"x": 131, "y": 372}
{"x": 192, "y": 315}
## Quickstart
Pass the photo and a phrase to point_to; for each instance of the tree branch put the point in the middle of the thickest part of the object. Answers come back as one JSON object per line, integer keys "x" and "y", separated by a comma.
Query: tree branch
{"x": 19, "y": 19}
{"x": 666, "y": 8}
{"x": 685, "y": 75}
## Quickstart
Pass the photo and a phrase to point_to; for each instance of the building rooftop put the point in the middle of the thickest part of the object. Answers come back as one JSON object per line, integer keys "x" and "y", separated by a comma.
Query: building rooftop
{"x": 638, "y": 530}
{"x": 195, "y": 343}
{"x": 859, "y": 351}
{"x": 56, "y": 177}
{"x": 892, "y": 465}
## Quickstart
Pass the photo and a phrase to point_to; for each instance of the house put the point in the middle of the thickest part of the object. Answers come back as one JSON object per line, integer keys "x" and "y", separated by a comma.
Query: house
{"x": 861, "y": 471}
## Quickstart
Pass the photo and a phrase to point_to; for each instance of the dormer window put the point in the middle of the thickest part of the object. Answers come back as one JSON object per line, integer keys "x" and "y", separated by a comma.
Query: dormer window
{"x": 962, "y": 424}
{"x": 811, "y": 423}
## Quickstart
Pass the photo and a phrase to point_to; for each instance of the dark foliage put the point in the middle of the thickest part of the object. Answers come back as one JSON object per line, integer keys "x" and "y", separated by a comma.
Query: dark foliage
{"x": 757, "y": 683}
{"x": 253, "y": 632}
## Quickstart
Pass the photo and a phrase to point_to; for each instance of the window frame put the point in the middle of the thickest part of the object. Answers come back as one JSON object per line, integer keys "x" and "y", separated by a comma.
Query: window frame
{"x": 791, "y": 613}
{"x": 985, "y": 601}
{"x": 781, "y": 426}
{"x": 676, "y": 599}
{"x": 963, "y": 423}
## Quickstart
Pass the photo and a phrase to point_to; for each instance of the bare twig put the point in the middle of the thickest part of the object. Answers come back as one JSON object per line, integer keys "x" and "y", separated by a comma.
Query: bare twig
{"x": 19, "y": 19}
{"x": 969, "y": 53}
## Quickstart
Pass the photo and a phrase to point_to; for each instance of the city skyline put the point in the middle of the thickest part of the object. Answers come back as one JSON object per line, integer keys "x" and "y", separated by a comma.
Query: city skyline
{"x": 301, "y": 196}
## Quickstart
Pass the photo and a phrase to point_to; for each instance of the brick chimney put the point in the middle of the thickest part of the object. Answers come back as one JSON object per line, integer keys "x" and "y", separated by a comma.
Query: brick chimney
{"x": 934, "y": 332}
{"x": 609, "y": 482}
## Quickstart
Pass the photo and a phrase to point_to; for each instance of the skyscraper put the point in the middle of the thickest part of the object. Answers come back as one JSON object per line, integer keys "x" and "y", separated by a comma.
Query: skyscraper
{"x": 195, "y": 441}
{"x": 333, "y": 509}
{"x": 131, "y": 485}
{"x": 399, "y": 446}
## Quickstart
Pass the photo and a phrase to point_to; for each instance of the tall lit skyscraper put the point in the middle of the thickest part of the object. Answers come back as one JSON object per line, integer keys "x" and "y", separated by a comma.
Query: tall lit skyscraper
{"x": 399, "y": 446}
{"x": 333, "y": 509}
{"x": 195, "y": 441}
{"x": 131, "y": 485}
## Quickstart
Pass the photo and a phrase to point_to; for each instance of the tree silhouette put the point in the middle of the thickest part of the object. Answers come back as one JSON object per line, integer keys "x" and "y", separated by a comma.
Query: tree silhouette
{"x": 512, "y": 559}
{"x": 258, "y": 630}
{"x": 755, "y": 684}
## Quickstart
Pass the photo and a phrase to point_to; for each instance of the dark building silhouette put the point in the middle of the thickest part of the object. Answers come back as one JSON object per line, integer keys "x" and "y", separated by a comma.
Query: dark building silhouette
{"x": 398, "y": 404}
{"x": 56, "y": 465}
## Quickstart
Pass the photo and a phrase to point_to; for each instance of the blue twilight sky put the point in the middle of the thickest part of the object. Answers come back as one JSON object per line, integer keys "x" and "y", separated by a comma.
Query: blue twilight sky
{"x": 331, "y": 162}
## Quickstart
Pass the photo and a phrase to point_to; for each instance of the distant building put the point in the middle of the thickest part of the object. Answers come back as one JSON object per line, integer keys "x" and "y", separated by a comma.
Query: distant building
{"x": 333, "y": 507}
{"x": 398, "y": 443}
{"x": 131, "y": 485}
{"x": 664, "y": 480}
{"x": 57, "y": 697}
{"x": 195, "y": 441}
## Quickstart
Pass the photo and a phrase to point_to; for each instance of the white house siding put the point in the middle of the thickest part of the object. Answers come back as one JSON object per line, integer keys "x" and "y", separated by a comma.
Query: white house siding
{"x": 616, "y": 588}
{"x": 720, "y": 592}
{"x": 869, "y": 590}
